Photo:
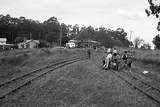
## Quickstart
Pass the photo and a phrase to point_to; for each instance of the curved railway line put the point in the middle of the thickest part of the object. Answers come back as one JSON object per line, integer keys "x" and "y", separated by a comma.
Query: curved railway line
{"x": 20, "y": 81}
{"x": 140, "y": 83}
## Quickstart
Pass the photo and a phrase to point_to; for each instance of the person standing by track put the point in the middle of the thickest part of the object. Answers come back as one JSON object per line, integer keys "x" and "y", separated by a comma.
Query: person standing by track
{"x": 127, "y": 59}
{"x": 89, "y": 53}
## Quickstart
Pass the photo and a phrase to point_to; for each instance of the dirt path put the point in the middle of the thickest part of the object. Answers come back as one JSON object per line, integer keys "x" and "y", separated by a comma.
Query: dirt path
{"x": 82, "y": 84}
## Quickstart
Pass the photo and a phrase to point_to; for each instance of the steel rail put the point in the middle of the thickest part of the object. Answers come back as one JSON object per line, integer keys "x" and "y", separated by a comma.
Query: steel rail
{"x": 28, "y": 73}
{"x": 21, "y": 81}
{"x": 134, "y": 82}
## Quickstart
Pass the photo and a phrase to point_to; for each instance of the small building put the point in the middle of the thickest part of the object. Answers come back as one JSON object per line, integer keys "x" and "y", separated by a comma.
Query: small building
{"x": 72, "y": 41}
{"x": 71, "y": 44}
{"x": 3, "y": 41}
{"x": 4, "y": 45}
{"x": 89, "y": 43}
{"x": 29, "y": 44}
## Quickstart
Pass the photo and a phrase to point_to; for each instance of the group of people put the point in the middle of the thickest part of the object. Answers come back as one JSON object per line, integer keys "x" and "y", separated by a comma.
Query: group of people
{"x": 112, "y": 55}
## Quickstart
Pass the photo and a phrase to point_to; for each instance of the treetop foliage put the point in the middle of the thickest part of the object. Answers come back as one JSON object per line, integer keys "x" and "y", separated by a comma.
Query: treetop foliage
{"x": 156, "y": 41}
{"x": 154, "y": 9}
{"x": 16, "y": 29}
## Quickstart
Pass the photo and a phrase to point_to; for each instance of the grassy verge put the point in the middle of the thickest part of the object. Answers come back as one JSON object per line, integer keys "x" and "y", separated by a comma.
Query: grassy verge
{"x": 19, "y": 61}
{"x": 147, "y": 56}
{"x": 146, "y": 59}
{"x": 82, "y": 84}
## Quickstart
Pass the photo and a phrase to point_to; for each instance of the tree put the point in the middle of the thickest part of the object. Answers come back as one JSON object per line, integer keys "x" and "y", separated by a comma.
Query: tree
{"x": 154, "y": 9}
{"x": 51, "y": 20}
{"x": 146, "y": 46}
{"x": 52, "y": 37}
{"x": 73, "y": 31}
{"x": 65, "y": 29}
{"x": 121, "y": 35}
{"x": 137, "y": 42}
{"x": 16, "y": 29}
{"x": 51, "y": 29}
{"x": 19, "y": 39}
{"x": 156, "y": 41}
{"x": 87, "y": 33}
{"x": 65, "y": 40}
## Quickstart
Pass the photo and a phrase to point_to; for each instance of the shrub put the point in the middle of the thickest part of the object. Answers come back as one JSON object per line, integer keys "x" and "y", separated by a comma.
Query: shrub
{"x": 14, "y": 60}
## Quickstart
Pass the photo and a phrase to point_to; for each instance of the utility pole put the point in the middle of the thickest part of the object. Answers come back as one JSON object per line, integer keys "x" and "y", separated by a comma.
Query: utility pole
{"x": 130, "y": 39}
{"x": 30, "y": 35}
{"x": 130, "y": 46}
{"x": 60, "y": 36}
{"x": 130, "y": 35}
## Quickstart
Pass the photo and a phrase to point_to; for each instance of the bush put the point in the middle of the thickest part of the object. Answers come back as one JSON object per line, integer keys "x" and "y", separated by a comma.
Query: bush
{"x": 147, "y": 56}
{"x": 14, "y": 60}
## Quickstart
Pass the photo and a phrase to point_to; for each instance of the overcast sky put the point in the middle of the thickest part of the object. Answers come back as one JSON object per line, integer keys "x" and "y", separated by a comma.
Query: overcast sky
{"x": 128, "y": 14}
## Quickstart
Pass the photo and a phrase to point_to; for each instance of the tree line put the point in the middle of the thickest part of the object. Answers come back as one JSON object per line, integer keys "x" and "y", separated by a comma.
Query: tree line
{"x": 18, "y": 29}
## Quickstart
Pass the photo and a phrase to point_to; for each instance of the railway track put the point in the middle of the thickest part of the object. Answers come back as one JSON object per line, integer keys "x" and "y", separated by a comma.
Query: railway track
{"x": 20, "y": 81}
{"x": 151, "y": 77}
{"x": 150, "y": 90}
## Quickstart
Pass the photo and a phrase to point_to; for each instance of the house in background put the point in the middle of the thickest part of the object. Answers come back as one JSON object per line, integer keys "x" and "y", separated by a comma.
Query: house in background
{"x": 3, "y": 41}
{"x": 29, "y": 44}
{"x": 4, "y": 45}
{"x": 71, "y": 44}
{"x": 89, "y": 44}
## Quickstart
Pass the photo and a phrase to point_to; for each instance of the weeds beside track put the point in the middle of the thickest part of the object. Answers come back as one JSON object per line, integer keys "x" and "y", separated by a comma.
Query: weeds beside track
{"x": 144, "y": 87}
{"x": 20, "y": 81}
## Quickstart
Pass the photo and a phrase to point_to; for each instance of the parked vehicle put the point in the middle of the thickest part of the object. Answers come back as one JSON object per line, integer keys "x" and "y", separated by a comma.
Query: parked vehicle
{"x": 70, "y": 45}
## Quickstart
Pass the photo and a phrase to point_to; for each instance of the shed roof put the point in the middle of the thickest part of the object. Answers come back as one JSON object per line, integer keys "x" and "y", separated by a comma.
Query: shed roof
{"x": 3, "y": 39}
{"x": 28, "y": 41}
{"x": 37, "y": 41}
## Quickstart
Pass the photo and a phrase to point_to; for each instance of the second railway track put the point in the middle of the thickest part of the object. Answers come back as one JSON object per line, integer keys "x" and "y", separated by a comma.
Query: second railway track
{"x": 150, "y": 90}
{"x": 20, "y": 81}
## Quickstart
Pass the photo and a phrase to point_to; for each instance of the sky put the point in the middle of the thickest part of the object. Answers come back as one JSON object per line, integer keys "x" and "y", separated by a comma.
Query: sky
{"x": 127, "y": 14}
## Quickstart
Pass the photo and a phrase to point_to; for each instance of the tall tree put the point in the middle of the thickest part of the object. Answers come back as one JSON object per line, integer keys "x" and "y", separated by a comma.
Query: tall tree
{"x": 52, "y": 29}
{"x": 137, "y": 42}
{"x": 16, "y": 29}
{"x": 156, "y": 41}
{"x": 146, "y": 46}
{"x": 154, "y": 9}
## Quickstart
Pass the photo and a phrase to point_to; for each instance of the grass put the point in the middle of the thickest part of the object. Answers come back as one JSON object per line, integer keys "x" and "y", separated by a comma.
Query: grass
{"x": 147, "y": 56}
{"x": 145, "y": 59}
{"x": 82, "y": 84}
{"x": 19, "y": 61}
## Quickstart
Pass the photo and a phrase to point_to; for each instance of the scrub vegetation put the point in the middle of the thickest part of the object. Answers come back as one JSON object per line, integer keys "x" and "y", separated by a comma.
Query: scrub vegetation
{"x": 14, "y": 62}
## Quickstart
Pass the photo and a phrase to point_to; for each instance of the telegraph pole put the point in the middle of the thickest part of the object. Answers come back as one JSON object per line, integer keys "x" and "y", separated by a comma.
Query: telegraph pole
{"x": 60, "y": 36}
{"x": 30, "y": 35}
{"x": 130, "y": 46}
{"x": 130, "y": 39}
{"x": 130, "y": 35}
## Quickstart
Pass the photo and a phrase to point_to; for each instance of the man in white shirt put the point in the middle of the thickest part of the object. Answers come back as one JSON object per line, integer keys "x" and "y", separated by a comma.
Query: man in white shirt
{"x": 108, "y": 58}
